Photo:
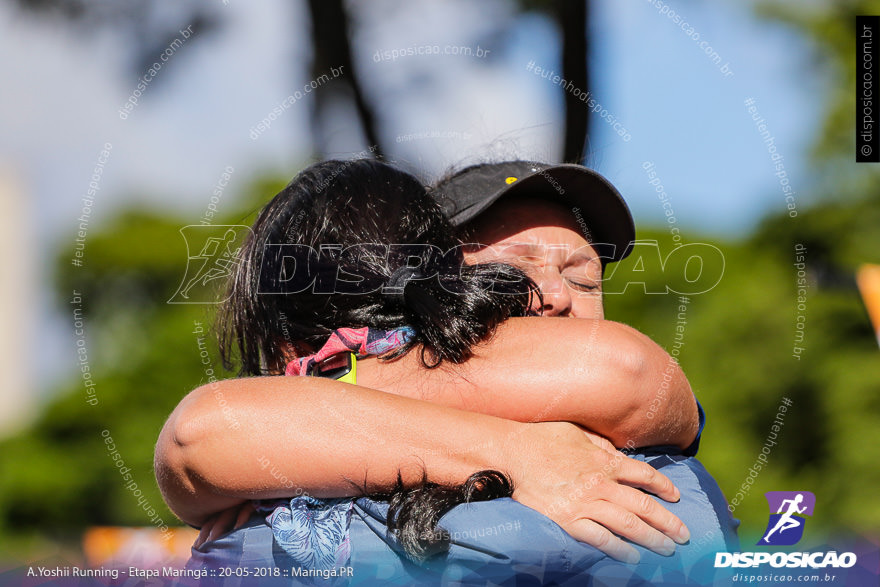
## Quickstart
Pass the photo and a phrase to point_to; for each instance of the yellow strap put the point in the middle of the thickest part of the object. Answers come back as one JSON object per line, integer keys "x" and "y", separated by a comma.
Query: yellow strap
{"x": 351, "y": 376}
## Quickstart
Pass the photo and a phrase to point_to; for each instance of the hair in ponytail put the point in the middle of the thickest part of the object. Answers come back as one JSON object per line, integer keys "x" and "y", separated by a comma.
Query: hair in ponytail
{"x": 361, "y": 243}
{"x": 322, "y": 254}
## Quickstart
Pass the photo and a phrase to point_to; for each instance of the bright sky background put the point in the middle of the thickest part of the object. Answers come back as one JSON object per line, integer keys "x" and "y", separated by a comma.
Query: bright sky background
{"x": 64, "y": 86}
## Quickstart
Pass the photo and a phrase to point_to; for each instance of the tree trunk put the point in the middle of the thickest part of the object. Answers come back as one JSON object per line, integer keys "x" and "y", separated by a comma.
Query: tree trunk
{"x": 331, "y": 42}
{"x": 573, "y": 17}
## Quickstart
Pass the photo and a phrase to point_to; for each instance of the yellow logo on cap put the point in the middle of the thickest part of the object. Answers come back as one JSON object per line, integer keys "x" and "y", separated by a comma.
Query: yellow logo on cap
{"x": 510, "y": 180}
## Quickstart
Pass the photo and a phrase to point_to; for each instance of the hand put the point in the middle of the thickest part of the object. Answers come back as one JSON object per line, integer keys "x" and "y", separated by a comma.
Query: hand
{"x": 591, "y": 490}
{"x": 226, "y": 521}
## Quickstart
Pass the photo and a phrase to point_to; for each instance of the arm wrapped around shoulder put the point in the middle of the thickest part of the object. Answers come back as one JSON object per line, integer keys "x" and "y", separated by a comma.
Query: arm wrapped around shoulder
{"x": 602, "y": 375}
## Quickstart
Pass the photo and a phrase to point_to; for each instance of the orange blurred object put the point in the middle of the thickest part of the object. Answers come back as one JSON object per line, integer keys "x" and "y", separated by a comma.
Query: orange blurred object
{"x": 868, "y": 278}
{"x": 148, "y": 547}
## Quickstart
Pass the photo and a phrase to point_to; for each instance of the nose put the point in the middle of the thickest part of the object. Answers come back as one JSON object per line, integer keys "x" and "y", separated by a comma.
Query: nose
{"x": 557, "y": 297}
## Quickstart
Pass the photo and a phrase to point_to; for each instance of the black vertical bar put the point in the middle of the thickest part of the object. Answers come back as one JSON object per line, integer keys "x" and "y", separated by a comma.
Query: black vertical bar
{"x": 574, "y": 19}
{"x": 867, "y": 86}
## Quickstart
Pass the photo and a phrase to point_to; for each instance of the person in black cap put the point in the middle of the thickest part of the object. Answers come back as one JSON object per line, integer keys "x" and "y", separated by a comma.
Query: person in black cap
{"x": 466, "y": 195}
{"x": 562, "y": 223}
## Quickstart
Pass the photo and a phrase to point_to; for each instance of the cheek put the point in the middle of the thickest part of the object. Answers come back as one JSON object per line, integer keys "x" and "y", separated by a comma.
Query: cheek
{"x": 588, "y": 306}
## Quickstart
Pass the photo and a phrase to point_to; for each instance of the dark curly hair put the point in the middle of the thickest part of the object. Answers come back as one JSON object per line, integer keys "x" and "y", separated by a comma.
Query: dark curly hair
{"x": 322, "y": 251}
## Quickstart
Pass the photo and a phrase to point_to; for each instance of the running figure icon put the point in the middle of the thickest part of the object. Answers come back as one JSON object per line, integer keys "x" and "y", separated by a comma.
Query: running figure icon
{"x": 216, "y": 246}
{"x": 787, "y": 516}
{"x": 219, "y": 260}
{"x": 786, "y": 522}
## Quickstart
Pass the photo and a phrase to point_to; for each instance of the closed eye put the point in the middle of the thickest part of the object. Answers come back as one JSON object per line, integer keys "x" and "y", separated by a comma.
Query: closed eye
{"x": 582, "y": 285}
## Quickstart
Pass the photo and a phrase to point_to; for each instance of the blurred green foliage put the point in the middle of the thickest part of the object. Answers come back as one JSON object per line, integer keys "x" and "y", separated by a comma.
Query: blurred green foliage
{"x": 57, "y": 477}
{"x": 738, "y": 354}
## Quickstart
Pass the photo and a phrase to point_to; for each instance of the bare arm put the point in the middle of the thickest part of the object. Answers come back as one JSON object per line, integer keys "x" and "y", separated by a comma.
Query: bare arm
{"x": 326, "y": 440}
{"x": 279, "y": 435}
{"x": 602, "y": 375}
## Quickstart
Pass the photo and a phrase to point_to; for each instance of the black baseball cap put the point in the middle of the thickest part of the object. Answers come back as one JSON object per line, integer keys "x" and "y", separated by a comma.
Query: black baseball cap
{"x": 471, "y": 191}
